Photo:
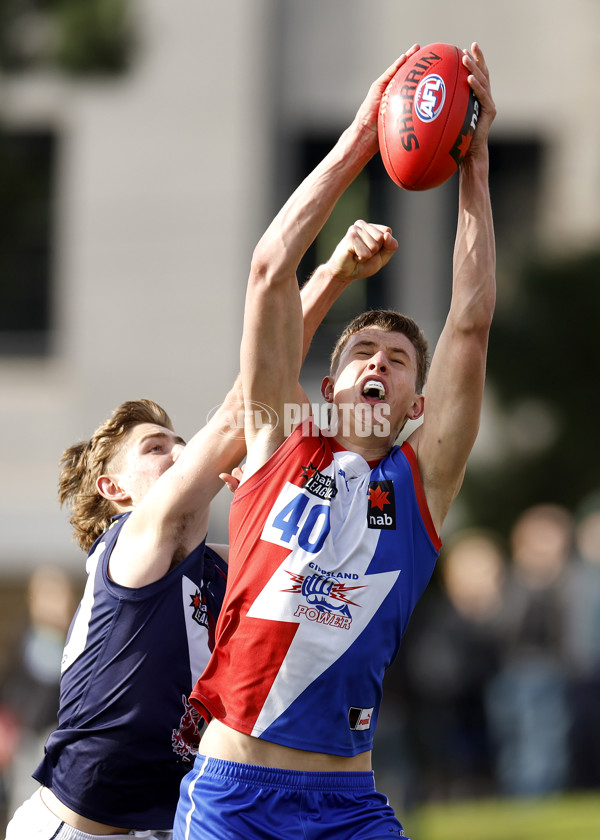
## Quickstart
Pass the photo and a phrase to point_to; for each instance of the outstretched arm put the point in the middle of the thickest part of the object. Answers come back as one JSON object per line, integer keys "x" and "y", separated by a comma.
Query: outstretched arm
{"x": 363, "y": 251}
{"x": 455, "y": 386}
{"x": 272, "y": 342}
{"x": 172, "y": 519}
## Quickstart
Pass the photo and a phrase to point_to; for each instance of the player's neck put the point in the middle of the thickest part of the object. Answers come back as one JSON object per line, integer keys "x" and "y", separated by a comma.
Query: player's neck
{"x": 370, "y": 448}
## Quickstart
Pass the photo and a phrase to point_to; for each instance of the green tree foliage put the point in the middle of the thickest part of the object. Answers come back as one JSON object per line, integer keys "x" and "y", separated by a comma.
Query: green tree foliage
{"x": 77, "y": 37}
{"x": 95, "y": 36}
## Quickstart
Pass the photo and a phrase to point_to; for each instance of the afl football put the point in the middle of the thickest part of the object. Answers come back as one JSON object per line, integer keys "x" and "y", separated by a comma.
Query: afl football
{"x": 427, "y": 118}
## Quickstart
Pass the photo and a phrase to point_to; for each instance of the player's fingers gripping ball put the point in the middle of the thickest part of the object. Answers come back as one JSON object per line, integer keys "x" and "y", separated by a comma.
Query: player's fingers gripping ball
{"x": 427, "y": 118}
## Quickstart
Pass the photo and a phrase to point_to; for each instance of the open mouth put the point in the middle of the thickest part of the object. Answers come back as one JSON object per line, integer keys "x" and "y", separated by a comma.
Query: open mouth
{"x": 374, "y": 390}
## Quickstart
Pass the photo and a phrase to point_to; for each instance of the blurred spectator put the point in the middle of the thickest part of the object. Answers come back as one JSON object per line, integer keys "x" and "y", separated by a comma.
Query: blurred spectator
{"x": 583, "y": 649}
{"x": 527, "y": 700}
{"x": 9, "y": 739}
{"x": 393, "y": 758}
{"x": 448, "y": 656}
{"x": 29, "y": 691}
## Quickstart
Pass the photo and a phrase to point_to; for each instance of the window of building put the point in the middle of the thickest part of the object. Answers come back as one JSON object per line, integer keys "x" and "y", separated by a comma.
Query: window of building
{"x": 26, "y": 174}
{"x": 515, "y": 186}
{"x": 515, "y": 181}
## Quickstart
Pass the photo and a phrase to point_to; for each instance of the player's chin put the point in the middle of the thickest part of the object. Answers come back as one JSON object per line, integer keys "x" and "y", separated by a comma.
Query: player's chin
{"x": 372, "y": 418}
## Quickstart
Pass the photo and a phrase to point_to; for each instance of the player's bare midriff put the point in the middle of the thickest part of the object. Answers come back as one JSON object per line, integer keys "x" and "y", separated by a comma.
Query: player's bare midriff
{"x": 220, "y": 741}
{"x": 74, "y": 819}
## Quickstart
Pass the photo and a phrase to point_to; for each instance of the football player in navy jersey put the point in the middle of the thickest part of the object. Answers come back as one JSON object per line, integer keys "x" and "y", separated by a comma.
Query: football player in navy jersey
{"x": 334, "y": 535}
{"x": 139, "y": 498}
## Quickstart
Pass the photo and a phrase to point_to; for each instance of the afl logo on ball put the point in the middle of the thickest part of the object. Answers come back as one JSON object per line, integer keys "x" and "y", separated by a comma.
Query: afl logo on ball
{"x": 430, "y": 96}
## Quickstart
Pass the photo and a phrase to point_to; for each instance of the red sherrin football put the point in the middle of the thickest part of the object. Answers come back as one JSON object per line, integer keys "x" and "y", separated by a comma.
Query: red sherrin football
{"x": 427, "y": 118}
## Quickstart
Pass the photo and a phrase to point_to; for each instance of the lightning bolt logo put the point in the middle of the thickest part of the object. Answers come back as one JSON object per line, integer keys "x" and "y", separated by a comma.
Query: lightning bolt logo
{"x": 335, "y": 591}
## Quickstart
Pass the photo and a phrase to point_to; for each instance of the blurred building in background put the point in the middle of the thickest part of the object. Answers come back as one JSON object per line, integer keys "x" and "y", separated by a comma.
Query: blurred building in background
{"x": 145, "y": 146}
{"x": 154, "y": 142}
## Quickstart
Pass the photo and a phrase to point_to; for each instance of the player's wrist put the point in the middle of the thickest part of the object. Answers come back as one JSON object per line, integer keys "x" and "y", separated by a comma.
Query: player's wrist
{"x": 339, "y": 274}
{"x": 476, "y": 164}
{"x": 362, "y": 142}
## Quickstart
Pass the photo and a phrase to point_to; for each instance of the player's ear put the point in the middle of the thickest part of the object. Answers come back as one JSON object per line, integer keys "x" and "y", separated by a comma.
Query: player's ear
{"x": 108, "y": 487}
{"x": 417, "y": 408}
{"x": 327, "y": 388}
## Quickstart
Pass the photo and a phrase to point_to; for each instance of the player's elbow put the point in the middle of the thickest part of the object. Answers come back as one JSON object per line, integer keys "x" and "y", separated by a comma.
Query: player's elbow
{"x": 480, "y": 320}
{"x": 269, "y": 267}
{"x": 474, "y": 315}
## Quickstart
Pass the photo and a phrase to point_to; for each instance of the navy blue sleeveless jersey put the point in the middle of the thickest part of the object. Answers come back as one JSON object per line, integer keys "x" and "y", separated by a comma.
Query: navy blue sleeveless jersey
{"x": 126, "y": 732}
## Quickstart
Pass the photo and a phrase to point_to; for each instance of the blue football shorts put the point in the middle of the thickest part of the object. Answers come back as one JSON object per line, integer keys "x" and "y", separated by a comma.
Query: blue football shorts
{"x": 223, "y": 800}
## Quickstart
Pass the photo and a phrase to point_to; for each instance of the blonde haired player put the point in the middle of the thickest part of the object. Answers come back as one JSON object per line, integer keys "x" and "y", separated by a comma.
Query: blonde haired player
{"x": 140, "y": 500}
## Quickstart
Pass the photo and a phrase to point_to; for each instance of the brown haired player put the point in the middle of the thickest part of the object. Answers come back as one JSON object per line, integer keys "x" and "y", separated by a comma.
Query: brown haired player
{"x": 333, "y": 540}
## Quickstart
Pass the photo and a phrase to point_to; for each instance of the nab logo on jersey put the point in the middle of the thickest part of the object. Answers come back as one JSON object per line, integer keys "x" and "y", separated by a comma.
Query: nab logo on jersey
{"x": 381, "y": 512}
{"x": 318, "y": 484}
